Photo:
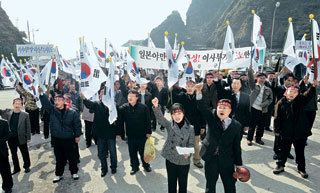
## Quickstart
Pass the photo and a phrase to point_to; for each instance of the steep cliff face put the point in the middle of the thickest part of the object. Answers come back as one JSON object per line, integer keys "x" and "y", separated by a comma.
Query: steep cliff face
{"x": 206, "y": 22}
{"x": 202, "y": 18}
{"x": 241, "y": 19}
{"x": 173, "y": 24}
{"x": 9, "y": 35}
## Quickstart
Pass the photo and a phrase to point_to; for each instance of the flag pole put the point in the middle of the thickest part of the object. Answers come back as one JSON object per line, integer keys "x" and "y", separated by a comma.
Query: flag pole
{"x": 105, "y": 53}
{"x": 49, "y": 82}
{"x": 253, "y": 12}
{"x": 311, "y": 16}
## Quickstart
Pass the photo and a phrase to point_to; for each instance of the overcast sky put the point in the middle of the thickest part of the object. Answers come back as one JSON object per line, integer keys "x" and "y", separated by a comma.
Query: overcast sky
{"x": 62, "y": 22}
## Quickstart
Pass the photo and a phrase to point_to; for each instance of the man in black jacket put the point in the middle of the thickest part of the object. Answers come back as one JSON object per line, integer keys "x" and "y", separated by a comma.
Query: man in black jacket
{"x": 136, "y": 116}
{"x": 65, "y": 127}
{"x": 290, "y": 124}
{"x": 240, "y": 102}
{"x": 105, "y": 132}
{"x": 209, "y": 91}
{"x": 220, "y": 149}
{"x": 7, "y": 182}
{"x": 162, "y": 94}
{"x": 278, "y": 92}
{"x": 312, "y": 106}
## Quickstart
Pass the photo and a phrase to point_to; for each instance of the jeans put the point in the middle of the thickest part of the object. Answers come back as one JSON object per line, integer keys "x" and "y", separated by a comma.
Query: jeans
{"x": 104, "y": 145}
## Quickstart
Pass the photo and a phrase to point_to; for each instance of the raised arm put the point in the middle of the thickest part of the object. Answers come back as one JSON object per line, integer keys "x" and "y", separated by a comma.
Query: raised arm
{"x": 158, "y": 114}
{"x": 251, "y": 81}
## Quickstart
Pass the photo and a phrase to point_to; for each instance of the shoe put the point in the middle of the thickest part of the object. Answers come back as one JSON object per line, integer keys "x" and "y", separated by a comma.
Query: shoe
{"x": 8, "y": 191}
{"x": 198, "y": 165}
{"x": 290, "y": 156}
{"x": 268, "y": 129}
{"x": 134, "y": 171}
{"x": 249, "y": 143}
{"x": 57, "y": 179}
{"x": 303, "y": 174}
{"x": 162, "y": 130}
{"x": 260, "y": 142}
{"x": 15, "y": 171}
{"x": 27, "y": 170}
{"x": 104, "y": 173}
{"x": 245, "y": 133}
{"x": 275, "y": 156}
{"x": 278, "y": 169}
{"x": 113, "y": 171}
{"x": 75, "y": 176}
{"x": 148, "y": 169}
{"x": 46, "y": 137}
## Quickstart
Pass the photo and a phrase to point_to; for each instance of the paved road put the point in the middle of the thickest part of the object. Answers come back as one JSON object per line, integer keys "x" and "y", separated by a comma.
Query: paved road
{"x": 257, "y": 158}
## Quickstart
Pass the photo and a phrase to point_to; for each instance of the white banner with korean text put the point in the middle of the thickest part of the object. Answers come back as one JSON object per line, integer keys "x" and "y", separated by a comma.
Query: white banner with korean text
{"x": 155, "y": 58}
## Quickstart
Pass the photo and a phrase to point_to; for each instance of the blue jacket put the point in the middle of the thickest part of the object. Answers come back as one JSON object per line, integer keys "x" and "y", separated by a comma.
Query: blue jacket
{"x": 66, "y": 127}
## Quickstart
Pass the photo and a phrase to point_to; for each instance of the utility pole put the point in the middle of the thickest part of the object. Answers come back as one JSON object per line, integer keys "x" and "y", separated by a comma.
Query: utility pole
{"x": 28, "y": 32}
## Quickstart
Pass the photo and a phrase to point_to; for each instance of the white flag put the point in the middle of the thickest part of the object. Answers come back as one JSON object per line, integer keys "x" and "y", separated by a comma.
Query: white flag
{"x": 311, "y": 71}
{"x": 290, "y": 45}
{"x": 150, "y": 42}
{"x": 133, "y": 71}
{"x": 188, "y": 68}
{"x": 228, "y": 45}
{"x": 91, "y": 74}
{"x": 30, "y": 84}
{"x": 173, "y": 68}
{"x": 108, "y": 98}
{"x": 255, "y": 28}
{"x": 8, "y": 79}
{"x": 258, "y": 54}
{"x": 290, "y": 49}
{"x": 175, "y": 45}
{"x": 303, "y": 38}
{"x": 101, "y": 56}
{"x": 316, "y": 38}
{"x": 14, "y": 70}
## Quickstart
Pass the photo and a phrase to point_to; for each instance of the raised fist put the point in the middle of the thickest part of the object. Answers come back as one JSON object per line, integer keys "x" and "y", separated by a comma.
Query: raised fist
{"x": 155, "y": 102}
{"x": 199, "y": 87}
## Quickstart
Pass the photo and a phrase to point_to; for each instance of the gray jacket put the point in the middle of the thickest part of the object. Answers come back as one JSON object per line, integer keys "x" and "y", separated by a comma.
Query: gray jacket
{"x": 255, "y": 90}
{"x": 183, "y": 137}
{"x": 24, "y": 127}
